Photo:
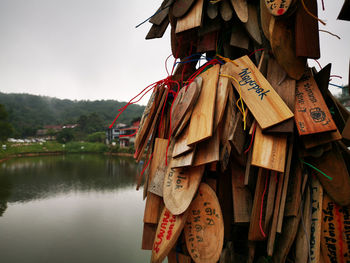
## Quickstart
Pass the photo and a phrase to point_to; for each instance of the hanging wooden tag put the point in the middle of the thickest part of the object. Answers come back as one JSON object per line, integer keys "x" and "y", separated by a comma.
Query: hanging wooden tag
{"x": 335, "y": 237}
{"x": 161, "y": 13}
{"x": 285, "y": 241}
{"x": 226, "y": 10}
{"x": 184, "y": 102}
{"x": 316, "y": 219}
{"x": 285, "y": 87}
{"x": 202, "y": 119}
{"x": 181, "y": 7}
{"x": 157, "y": 31}
{"x": 176, "y": 257}
{"x": 149, "y": 232}
{"x": 158, "y": 167}
{"x": 270, "y": 199}
{"x": 184, "y": 160}
{"x": 307, "y": 42}
{"x": 332, "y": 164}
{"x": 303, "y": 235}
{"x": 239, "y": 37}
{"x": 207, "y": 42}
{"x": 317, "y": 139}
{"x": 180, "y": 186}
{"x": 285, "y": 187}
{"x": 241, "y": 8}
{"x": 208, "y": 151}
{"x": 204, "y": 229}
{"x": 180, "y": 146}
{"x": 252, "y": 24}
{"x": 242, "y": 198}
{"x": 283, "y": 47}
{"x": 294, "y": 191}
{"x": 262, "y": 100}
{"x": 152, "y": 208}
{"x": 265, "y": 17}
{"x": 269, "y": 151}
{"x": 276, "y": 211}
{"x": 223, "y": 87}
{"x": 168, "y": 230}
{"x": 346, "y": 131}
{"x": 212, "y": 10}
{"x": 311, "y": 112}
{"x": 278, "y": 7}
{"x": 193, "y": 18}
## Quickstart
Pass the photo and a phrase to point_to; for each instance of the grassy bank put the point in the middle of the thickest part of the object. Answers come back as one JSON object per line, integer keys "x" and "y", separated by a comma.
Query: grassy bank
{"x": 13, "y": 150}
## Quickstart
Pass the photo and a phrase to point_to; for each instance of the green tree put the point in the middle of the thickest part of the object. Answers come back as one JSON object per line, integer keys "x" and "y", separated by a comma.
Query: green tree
{"x": 6, "y": 129}
{"x": 65, "y": 135}
{"x": 97, "y": 137}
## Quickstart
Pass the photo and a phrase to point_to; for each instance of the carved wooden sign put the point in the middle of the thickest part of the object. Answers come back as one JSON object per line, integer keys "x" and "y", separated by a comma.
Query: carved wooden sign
{"x": 168, "y": 230}
{"x": 262, "y": 100}
{"x": 180, "y": 186}
{"x": 204, "y": 229}
{"x": 311, "y": 112}
{"x": 335, "y": 240}
{"x": 278, "y": 7}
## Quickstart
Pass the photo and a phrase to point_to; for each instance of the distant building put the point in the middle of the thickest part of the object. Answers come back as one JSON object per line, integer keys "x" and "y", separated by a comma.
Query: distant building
{"x": 124, "y": 134}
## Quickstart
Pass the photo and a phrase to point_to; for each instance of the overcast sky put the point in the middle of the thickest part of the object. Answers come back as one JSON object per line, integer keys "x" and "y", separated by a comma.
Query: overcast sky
{"x": 90, "y": 49}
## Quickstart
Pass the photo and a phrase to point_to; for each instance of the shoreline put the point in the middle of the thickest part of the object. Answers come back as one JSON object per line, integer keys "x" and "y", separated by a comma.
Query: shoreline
{"x": 34, "y": 154}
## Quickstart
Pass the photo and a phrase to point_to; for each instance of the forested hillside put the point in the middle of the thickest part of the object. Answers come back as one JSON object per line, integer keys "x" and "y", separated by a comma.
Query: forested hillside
{"x": 27, "y": 113}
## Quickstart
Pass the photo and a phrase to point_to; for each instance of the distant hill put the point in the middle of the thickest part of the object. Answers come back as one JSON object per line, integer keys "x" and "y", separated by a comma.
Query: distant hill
{"x": 27, "y": 113}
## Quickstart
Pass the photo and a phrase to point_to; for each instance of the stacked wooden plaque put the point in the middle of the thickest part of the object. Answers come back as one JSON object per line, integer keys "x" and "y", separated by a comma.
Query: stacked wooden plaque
{"x": 245, "y": 153}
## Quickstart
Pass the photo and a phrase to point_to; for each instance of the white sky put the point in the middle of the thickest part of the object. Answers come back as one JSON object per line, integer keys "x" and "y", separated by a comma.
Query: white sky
{"x": 90, "y": 49}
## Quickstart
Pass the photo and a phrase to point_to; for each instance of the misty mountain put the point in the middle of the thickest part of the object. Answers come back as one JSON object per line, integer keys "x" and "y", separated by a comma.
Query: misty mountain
{"x": 27, "y": 113}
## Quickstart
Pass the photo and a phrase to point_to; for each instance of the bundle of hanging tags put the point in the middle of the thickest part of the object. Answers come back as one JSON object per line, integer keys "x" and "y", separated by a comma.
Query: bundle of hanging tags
{"x": 245, "y": 148}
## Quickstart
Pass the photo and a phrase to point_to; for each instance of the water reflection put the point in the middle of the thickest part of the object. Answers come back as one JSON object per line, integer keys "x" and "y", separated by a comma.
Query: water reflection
{"x": 27, "y": 179}
{"x": 74, "y": 208}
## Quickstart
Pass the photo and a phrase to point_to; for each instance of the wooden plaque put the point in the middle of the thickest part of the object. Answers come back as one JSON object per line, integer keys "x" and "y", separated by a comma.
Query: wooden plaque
{"x": 161, "y": 13}
{"x": 283, "y": 47}
{"x": 252, "y": 24}
{"x": 181, "y": 146}
{"x": 192, "y": 19}
{"x": 241, "y": 8}
{"x": 226, "y": 10}
{"x": 311, "y": 112}
{"x": 262, "y": 100}
{"x": 242, "y": 198}
{"x": 207, "y": 151}
{"x": 239, "y": 37}
{"x": 202, "y": 119}
{"x": 184, "y": 102}
{"x": 265, "y": 17}
{"x": 180, "y": 186}
{"x": 307, "y": 42}
{"x": 335, "y": 237}
{"x": 158, "y": 167}
{"x": 278, "y": 7}
{"x": 221, "y": 97}
{"x": 316, "y": 220}
{"x": 181, "y": 7}
{"x": 269, "y": 151}
{"x": 333, "y": 165}
{"x": 168, "y": 230}
{"x": 285, "y": 87}
{"x": 204, "y": 229}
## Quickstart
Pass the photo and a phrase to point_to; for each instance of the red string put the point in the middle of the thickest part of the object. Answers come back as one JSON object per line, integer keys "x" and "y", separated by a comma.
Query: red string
{"x": 261, "y": 208}
{"x": 335, "y": 76}
{"x": 144, "y": 169}
{"x": 128, "y": 135}
{"x": 260, "y": 49}
{"x": 251, "y": 141}
{"x": 318, "y": 63}
{"x": 200, "y": 70}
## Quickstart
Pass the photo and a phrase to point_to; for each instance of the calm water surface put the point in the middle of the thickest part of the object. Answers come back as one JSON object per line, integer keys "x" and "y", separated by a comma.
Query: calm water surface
{"x": 73, "y": 208}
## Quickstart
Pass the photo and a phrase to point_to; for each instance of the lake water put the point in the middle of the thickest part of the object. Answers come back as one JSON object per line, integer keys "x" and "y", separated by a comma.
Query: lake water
{"x": 71, "y": 208}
